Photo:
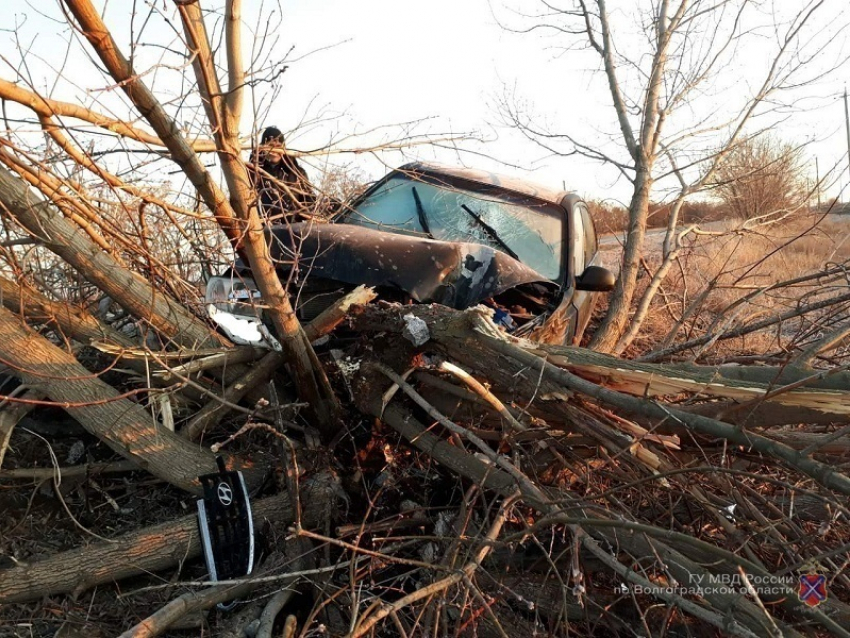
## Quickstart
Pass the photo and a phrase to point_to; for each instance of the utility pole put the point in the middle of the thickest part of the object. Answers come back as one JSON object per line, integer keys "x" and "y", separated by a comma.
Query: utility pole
{"x": 847, "y": 123}
{"x": 817, "y": 179}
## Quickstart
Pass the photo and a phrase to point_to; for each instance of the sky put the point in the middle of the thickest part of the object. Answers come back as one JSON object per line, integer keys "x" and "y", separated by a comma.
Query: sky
{"x": 448, "y": 64}
{"x": 379, "y": 70}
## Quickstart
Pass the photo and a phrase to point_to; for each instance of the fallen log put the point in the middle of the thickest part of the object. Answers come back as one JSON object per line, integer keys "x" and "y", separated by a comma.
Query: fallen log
{"x": 812, "y": 391}
{"x": 131, "y": 291}
{"x": 484, "y": 349}
{"x": 739, "y": 615}
{"x": 822, "y": 442}
{"x": 764, "y": 414}
{"x": 191, "y": 602}
{"x": 39, "y": 474}
{"x": 185, "y": 605}
{"x": 150, "y": 549}
{"x": 72, "y": 321}
{"x": 472, "y": 338}
{"x": 78, "y": 324}
{"x": 122, "y": 424}
{"x": 81, "y": 325}
{"x": 227, "y": 365}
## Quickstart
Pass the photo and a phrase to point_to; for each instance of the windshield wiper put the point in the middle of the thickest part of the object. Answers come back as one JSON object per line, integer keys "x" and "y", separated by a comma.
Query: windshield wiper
{"x": 420, "y": 212}
{"x": 491, "y": 232}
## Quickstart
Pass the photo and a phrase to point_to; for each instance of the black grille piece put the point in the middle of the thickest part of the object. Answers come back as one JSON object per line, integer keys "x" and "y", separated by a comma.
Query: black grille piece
{"x": 225, "y": 524}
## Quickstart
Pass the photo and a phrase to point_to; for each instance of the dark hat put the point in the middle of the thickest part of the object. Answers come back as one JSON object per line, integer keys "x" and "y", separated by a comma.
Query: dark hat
{"x": 272, "y": 134}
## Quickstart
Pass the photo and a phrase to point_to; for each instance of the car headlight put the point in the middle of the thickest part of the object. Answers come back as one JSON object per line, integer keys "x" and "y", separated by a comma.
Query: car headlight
{"x": 235, "y": 304}
{"x": 235, "y": 295}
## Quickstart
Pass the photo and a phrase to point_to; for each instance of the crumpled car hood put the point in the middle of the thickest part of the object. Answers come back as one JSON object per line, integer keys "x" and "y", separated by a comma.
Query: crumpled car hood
{"x": 454, "y": 274}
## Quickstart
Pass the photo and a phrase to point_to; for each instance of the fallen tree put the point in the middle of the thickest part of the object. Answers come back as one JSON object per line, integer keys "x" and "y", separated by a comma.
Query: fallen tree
{"x": 541, "y": 399}
{"x": 150, "y": 549}
{"x": 474, "y": 340}
{"x": 112, "y": 417}
{"x": 470, "y": 338}
{"x": 472, "y": 482}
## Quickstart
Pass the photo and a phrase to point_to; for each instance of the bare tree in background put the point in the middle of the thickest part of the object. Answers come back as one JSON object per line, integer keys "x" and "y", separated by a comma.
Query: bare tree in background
{"x": 678, "y": 106}
{"x": 763, "y": 176}
{"x": 478, "y": 481}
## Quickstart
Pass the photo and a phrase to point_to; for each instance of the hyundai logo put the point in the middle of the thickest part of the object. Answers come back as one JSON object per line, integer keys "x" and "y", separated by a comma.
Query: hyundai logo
{"x": 225, "y": 494}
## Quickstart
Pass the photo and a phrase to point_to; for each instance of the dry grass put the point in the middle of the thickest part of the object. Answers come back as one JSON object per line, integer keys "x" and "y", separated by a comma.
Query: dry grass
{"x": 613, "y": 218}
{"x": 717, "y": 271}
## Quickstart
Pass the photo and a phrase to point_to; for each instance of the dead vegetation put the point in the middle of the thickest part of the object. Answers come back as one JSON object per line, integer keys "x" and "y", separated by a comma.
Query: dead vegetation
{"x": 736, "y": 275}
{"x": 462, "y": 483}
{"x": 612, "y": 217}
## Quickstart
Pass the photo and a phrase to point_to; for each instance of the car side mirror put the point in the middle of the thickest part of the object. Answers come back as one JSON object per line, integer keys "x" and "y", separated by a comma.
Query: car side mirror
{"x": 596, "y": 279}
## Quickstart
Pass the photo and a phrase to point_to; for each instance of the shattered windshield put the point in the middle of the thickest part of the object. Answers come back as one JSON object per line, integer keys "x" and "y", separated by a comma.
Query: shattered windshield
{"x": 527, "y": 229}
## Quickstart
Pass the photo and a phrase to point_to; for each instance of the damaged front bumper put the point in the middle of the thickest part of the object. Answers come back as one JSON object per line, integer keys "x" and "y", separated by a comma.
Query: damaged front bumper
{"x": 323, "y": 261}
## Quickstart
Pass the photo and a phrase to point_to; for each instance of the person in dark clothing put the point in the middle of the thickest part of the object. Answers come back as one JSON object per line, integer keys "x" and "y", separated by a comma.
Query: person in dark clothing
{"x": 283, "y": 190}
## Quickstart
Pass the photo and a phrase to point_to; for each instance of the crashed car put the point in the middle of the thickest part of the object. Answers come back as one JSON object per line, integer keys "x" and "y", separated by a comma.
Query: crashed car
{"x": 431, "y": 234}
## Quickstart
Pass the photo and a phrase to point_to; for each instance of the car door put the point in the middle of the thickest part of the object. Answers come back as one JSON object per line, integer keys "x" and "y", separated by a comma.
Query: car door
{"x": 584, "y": 254}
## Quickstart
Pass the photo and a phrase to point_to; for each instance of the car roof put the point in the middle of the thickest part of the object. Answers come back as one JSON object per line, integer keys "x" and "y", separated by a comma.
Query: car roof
{"x": 488, "y": 178}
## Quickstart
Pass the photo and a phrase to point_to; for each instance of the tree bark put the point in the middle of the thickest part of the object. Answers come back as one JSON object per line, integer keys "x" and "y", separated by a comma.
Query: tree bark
{"x": 72, "y": 321}
{"x": 237, "y": 217}
{"x": 147, "y": 550}
{"x": 650, "y": 380}
{"x": 333, "y": 315}
{"x": 123, "y": 425}
{"x": 131, "y": 291}
{"x": 619, "y": 306}
{"x": 313, "y": 385}
{"x": 474, "y": 340}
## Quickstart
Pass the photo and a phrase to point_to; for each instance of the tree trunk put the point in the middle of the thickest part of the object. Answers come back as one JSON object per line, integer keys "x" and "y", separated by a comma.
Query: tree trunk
{"x": 123, "y": 425}
{"x": 72, "y": 321}
{"x": 313, "y": 385}
{"x": 613, "y": 326}
{"x": 131, "y": 291}
{"x": 473, "y": 339}
{"x": 237, "y": 215}
{"x": 147, "y": 550}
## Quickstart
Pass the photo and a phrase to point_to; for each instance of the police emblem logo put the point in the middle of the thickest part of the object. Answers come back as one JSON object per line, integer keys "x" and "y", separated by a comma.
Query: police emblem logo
{"x": 812, "y": 589}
